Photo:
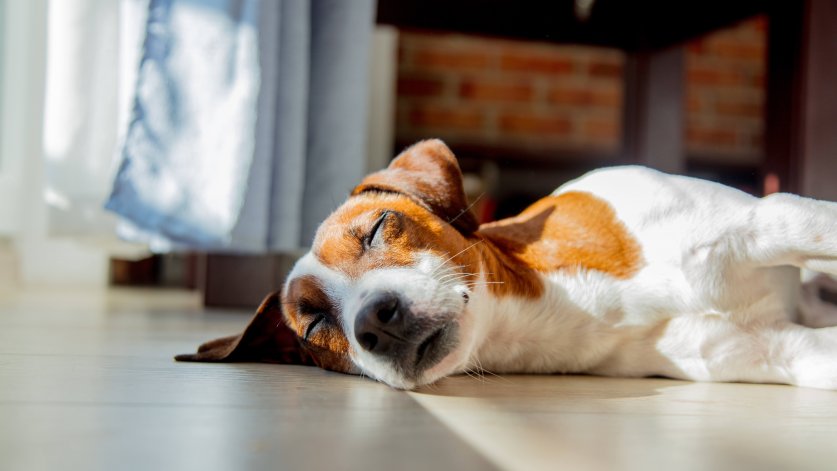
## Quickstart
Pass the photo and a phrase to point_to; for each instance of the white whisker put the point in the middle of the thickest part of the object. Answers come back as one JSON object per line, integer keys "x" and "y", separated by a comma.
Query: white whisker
{"x": 483, "y": 371}
{"x": 462, "y": 251}
{"x": 456, "y": 276}
{"x": 467, "y": 209}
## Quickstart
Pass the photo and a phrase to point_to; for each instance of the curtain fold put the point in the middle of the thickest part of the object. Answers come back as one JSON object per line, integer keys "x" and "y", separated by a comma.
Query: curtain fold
{"x": 249, "y": 122}
{"x": 85, "y": 43}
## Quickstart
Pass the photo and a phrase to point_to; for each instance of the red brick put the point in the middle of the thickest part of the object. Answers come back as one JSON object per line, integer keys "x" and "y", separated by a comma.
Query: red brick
{"x": 706, "y": 136}
{"x": 735, "y": 48}
{"x": 446, "y": 60}
{"x": 419, "y": 86}
{"x": 439, "y": 117}
{"x": 602, "y": 129}
{"x": 533, "y": 62}
{"x": 523, "y": 123}
{"x": 696, "y": 47}
{"x": 757, "y": 140}
{"x": 715, "y": 76}
{"x": 495, "y": 91}
{"x": 585, "y": 97}
{"x": 739, "y": 109}
{"x": 605, "y": 69}
{"x": 693, "y": 103}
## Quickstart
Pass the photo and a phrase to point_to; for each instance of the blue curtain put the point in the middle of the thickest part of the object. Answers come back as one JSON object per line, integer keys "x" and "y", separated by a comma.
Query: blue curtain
{"x": 249, "y": 122}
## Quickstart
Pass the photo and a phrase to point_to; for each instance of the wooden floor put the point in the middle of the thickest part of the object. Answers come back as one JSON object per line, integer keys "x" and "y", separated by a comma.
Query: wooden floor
{"x": 87, "y": 382}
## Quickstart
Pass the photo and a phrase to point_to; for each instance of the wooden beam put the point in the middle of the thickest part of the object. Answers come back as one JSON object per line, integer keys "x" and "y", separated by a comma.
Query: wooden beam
{"x": 629, "y": 25}
{"x": 782, "y": 145}
{"x": 654, "y": 121}
{"x": 818, "y": 175}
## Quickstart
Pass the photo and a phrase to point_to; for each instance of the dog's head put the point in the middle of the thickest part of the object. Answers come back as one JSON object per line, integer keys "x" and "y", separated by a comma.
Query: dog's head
{"x": 385, "y": 289}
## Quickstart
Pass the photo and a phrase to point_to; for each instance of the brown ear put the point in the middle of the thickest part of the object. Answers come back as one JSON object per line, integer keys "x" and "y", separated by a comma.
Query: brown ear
{"x": 266, "y": 339}
{"x": 428, "y": 173}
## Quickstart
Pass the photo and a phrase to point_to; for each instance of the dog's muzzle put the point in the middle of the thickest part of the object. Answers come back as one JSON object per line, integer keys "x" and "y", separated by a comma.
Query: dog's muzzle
{"x": 388, "y": 328}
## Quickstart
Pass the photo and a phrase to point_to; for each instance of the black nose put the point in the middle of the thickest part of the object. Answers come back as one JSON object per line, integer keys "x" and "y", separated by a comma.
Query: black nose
{"x": 379, "y": 324}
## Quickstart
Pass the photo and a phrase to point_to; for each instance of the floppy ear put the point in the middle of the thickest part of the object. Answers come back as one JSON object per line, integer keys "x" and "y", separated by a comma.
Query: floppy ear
{"x": 428, "y": 173}
{"x": 266, "y": 339}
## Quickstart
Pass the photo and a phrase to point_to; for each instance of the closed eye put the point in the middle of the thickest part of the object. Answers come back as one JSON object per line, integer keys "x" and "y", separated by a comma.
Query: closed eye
{"x": 313, "y": 325}
{"x": 374, "y": 237}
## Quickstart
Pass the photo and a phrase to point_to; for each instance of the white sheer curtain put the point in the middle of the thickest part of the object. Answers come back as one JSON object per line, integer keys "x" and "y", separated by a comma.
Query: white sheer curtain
{"x": 69, "y": 86}
{"x": 61, "y": 114}
{"x": 93, "y": 49}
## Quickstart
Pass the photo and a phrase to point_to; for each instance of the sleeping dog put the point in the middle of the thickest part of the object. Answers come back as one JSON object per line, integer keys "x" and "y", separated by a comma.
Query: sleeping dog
{"x": 623, "y": 272}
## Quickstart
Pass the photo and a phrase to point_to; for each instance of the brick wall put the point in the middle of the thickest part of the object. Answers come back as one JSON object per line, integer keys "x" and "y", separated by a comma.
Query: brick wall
{"x": 547, "y": 98}
{"x": 725, "y": 78}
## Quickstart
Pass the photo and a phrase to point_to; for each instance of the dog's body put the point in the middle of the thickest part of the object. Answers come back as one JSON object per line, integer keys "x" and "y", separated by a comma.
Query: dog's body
{"x": 622, "y": 272}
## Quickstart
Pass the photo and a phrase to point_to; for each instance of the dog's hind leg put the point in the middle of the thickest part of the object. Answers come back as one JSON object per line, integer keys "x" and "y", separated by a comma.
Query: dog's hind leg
{"x": 784, "y": 229}
{"x": 714, "y": 348}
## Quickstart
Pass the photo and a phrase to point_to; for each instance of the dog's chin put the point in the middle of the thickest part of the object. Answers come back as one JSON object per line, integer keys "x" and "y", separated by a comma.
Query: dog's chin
{"x": 450, "y": 365}
{"x": 445, "y": 368}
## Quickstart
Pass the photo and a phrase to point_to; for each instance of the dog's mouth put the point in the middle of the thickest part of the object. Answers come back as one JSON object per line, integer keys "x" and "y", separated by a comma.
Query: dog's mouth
{"x": 434, "y": 348}
{"x": 429, "y": 343}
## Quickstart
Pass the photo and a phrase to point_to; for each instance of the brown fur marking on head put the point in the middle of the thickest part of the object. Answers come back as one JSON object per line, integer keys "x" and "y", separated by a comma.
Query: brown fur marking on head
{"x": 304, "y": 300}
{"x": 409, "y": 229}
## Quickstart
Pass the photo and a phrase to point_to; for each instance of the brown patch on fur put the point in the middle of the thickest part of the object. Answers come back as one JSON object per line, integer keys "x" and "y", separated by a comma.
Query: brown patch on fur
{"x": 408, "y": 230}
{"x": 506, "y": 273}
{"x": 571, "y": 231}
{"x": 304, "y": 300}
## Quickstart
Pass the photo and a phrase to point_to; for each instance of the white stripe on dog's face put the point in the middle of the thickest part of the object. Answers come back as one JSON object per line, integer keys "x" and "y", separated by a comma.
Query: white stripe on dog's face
{"x": 384, "y": 246}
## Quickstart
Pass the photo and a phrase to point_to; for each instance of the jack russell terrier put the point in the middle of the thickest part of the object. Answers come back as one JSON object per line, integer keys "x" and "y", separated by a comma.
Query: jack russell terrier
{"x": 623, "y": 272}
